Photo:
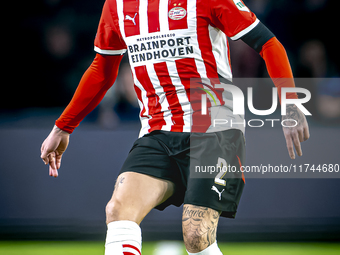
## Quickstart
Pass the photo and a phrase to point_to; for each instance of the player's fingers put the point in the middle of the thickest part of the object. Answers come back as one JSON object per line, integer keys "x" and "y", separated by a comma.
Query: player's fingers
{"x": 44, "y": 155}
{"x": 58, "y": 160}
{"x": 46, "y": 152}
{"x": 290, "y": 146}
{"x": 306, "y": 133}
{"x": 52, "y": 160}
{"x": 53, "y": 172}
{"x": 300, "y": 135}
{"x": 297, "y": 144}
{"x": 44, "y": 159}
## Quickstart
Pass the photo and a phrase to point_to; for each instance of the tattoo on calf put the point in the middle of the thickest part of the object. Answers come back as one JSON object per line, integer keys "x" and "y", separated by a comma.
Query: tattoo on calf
{"x": 199, "y": 227}
{"x": 193, "y": 212}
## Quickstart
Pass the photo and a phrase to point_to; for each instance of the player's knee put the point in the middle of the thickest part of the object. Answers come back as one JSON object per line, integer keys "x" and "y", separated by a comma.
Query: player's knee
{"x": 193, "y": 241}
{"x": 113, "y": 210}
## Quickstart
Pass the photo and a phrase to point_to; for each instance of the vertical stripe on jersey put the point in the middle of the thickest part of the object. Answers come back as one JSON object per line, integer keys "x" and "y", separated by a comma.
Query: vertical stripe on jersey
{"x": 155, "y": 110}
{"x": 187, "y": 72}
{"x": 165, "y": 108}
{"x": 202, "y": 35}
{"x": 206, "y": 62}
{"x": 239, "y": 162}
{"x": 120, "y": 15}
{"x": 181, "y": 23}
{"x": 131, "y": 17}
{"x": 171, "y": 95}
{"x": 229, "y": 60}
{"x": 140, "y": 101}
{"x": 143, "y": 17}
{"x": 143, "y": 104}
{"x": 163, "y": 12}
{"x": 181, "y": 94}
{"x": 153, "y": 16}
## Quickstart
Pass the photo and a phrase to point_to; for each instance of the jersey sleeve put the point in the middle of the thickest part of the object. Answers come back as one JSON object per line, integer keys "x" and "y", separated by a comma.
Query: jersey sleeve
{"x": 108, "y": 39}
{"x": 232, "y": 17}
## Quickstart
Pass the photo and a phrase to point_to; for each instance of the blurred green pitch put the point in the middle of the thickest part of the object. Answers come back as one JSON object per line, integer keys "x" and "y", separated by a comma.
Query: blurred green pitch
{"x": 96, "y": 248}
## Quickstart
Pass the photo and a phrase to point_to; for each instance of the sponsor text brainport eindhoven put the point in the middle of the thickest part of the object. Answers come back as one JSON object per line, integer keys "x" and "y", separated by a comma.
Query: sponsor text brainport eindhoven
{"x": 160, "y": 46}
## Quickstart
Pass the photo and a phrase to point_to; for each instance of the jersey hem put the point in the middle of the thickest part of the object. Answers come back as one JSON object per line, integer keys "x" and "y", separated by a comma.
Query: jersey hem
{"x": 142, "y": 133}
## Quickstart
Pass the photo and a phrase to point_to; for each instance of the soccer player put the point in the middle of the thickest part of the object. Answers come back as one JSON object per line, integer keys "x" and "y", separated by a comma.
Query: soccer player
{"x": 174, "y": 57}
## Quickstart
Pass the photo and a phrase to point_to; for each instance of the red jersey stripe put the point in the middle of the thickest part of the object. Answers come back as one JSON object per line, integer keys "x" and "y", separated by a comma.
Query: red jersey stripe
{"x": 155, "y": 108}
{"x": 192, "y": 83}
{"x": 239, "y": 162}
{"x": 171, "y": 95}
{"x": 178, "y": 14}
{"x": 229, "y": 60}
{"x": 153, "y": 16}
{"x": 131, "y": 17}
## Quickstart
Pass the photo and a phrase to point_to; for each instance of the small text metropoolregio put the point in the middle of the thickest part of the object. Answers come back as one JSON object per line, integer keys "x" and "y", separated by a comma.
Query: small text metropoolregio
{"x": 155, "y": 48}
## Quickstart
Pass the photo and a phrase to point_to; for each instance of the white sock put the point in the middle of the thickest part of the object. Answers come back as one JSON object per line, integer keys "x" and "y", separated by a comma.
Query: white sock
{"x": 123, "y": 237}
{"x": 211, "y": 250}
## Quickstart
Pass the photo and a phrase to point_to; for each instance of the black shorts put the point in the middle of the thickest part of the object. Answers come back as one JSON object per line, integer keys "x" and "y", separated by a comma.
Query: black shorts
{"x": 205, "y": 167}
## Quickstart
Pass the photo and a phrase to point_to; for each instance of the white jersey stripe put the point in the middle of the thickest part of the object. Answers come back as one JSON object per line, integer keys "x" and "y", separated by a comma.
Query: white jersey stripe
{"x": 143, "y": 17}
{"x": 182, "y": 95}
{"x": 221, "y": 51}
{"x": 144, "y": 119}
{"x": 163, "y": 12}
{"x": 198, "y": 60}
{"x": 191, "y": 19}
{"x": 120, "y": 14}
{"x": 162, "y": 97}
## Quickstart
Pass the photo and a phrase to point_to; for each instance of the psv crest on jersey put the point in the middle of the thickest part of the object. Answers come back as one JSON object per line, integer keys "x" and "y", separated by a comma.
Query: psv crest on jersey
{"x": 177, "y": 13}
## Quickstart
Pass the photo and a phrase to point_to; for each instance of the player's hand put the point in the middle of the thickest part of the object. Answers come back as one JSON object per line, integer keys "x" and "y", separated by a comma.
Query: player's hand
{"x": 53, "y": 148}
{"x": 295, "y": 135}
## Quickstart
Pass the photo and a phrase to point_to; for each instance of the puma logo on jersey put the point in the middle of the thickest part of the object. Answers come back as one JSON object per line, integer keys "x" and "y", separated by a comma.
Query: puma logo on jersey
{"x": 127, "y": 17}
{"x": 218, "y": 192}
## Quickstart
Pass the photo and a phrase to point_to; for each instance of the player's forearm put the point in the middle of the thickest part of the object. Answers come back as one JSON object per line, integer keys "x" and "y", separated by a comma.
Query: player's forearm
{"x": 92, "y": 87}
{"x": 278, "y": 66}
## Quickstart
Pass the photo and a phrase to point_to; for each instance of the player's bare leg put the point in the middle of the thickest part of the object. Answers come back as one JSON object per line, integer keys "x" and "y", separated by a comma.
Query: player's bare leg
{"x": 133, "y": 198}
{"x": 199, "y": 230}
{"x": 135, "y": 195}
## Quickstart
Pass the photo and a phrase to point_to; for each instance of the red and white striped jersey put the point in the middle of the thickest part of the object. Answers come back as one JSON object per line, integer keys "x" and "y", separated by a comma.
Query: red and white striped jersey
{"x": 170, "y": 44}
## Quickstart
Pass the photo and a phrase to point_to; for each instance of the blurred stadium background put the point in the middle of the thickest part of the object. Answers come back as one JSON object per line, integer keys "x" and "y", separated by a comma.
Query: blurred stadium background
{"x": 48, "y": 46}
